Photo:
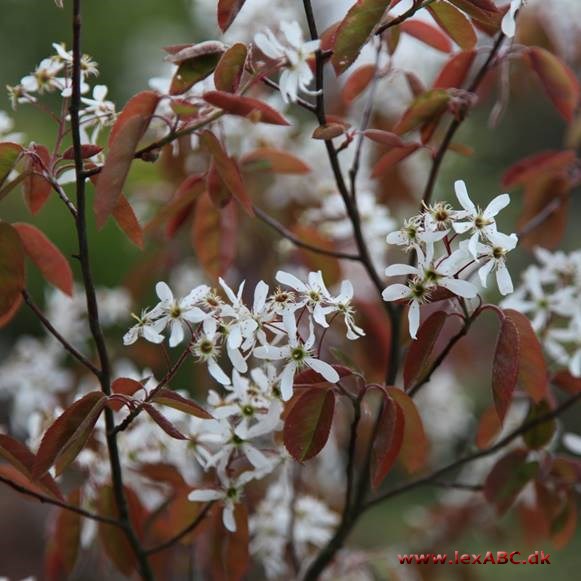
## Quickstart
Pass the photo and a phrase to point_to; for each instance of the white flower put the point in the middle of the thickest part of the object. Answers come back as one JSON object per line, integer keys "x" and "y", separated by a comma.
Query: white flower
{"x": 207, "y": 350}
{"x": 295, "y": 52}
{"x": 572, "y": 442}
{"x": 296, "y": 356}
{"x": 479, "y": 222}
{"x": 571, "y": 335}
{"x": 508, "y": 23}
{"x": 412, "y": 234}
{"x": 145, "y": 327}
{"x": 98, "y": 112}
{"x": 343, "y": 303}
{"x": 44, "y": 79}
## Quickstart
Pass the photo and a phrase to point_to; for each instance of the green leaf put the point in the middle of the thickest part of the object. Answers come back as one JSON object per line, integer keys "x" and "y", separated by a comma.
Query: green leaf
{"x": 195, "y": 63}
{"x": 354, "y": 31}
{"x": 308, "y": 425}
{"x": 425, "y": 108}
{"x": 11, "y": 268}
{"x": 543, "y": 433}
{"x": 454, "y": 24}
{"x": 230, "y": 68}
{"x": 9, "y": 153}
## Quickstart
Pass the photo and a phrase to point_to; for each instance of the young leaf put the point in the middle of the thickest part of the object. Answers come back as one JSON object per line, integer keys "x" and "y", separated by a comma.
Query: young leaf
{"x": 557, "y": 79}
{"x": 274, "y": 160}
{"x": 228, "y": 170}
{"x": 163, "y": 422}
{"x": 388, "y": 440}
{"x": 195, "y": 63}
{"x": 425, "y": 108}
{"x": 307, "y": 426}
{"x": 87, "y": 151}
{"x": 505, "y": 366}
{"x": 9, "y": 153}
{"x": 329, "y": 131}
{"x": 126, "y": 219}
{"x": 218, "y": 192}
{"x": 455, "y": 71}
{"x": 128, "y": 130}
{"x": 540, "y": 435}
{"x": 454, "y": 24}
{"x": 489, "y": 427}
{"x": 175, "y": 400}
{"x": 230, "y": 68}
{"x": 66, "y": 540}
{"x": 357, "y": 83}
{"x": 11, "y": 268}
{"x": 310, "y": 378}
{"x": 227, "y": 12}
{"x": 47, "y": 257}
{"x": 354, "y": 31}
{"x": 35, "y": 187}
{"x": 543, "y": 164}
{"x": 214, "y": 236}
{"x": 484, "y": 13}
{"x": 123, "y": 386}
{"x": 393, "y": 157}
{"x": 418, "y": 356}
{"x": 386, "y": 138}
{"x": 532, "y": 368}
{"x": 248, "y": 107}
{"x": 414, "y": 447}
{"x": 66, "y": 437}
{"x": 427, "y": 34}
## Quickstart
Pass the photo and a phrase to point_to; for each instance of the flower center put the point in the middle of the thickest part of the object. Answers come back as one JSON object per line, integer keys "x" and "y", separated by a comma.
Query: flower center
{"x": 298, "y": 354}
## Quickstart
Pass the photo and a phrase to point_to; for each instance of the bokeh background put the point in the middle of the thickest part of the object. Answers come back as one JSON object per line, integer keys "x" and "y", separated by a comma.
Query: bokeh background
{"x": 125, "y": 37}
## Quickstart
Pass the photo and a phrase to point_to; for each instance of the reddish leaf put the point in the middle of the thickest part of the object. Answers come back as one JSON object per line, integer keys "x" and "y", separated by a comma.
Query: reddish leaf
{"x": 195, "y": 63}
{"x": 310, "y": 378}
{"x": 354, "y": 31}
{"x": 230, "y": 68}
{"x": 66, "y": 437}
{"x": 218, "y": 192}
{"x": 214, "y": 236}
{"x": 427, "y": 34}
{"x": 11, "y": 313}
{"x": 455, "y": 71}
{"x": 393, "y": 157}
{"x": 227, "y": 11}
{"x": 128, "y": 130}
{"x": 540, "y": 435}
{"x": 87, "y": 151}
{"x": 9, "y": 153}
{"x": 508, "y": 477}
{"x": 329, "y": 131}
{"x": 567, "y": 382}
{"x": 419, "y": 354}
{"x": 123, "y": 386}
{"x": 163, "y": 422}
{"x": 12, "y": 474}
{"x": 489, "y": 428}
{"x": 11, "y": 268}
{"x": 126, "y": 219}
{"x": 178, "y": 402}
{"x": 161, "y": 472}
{"x": 485, "y": 14}
{"x": 545, "y": 163}
{"x": 564, "y": 525}
{"x": 386, "y": 138}
{"x": 47, "y": 257}
{"x": 274, "y": 160}
{"x": 388, "y": 440}
{"x": 228, "y": 170}
{"x": 454, "y": 24}
{"x": 425, "y": 108}
{"x": 505, "y": 366}
{"x": 357, "y": 83}
{"x": 67, "y": 534}
{"x": 35, "y": 187}
{"x": 532, "y": 368}
{"x": 557, "y": 79}
{"x": 307, "y": 426}
{"x": 414, "y": 448}
{"x": 255, "y": 110}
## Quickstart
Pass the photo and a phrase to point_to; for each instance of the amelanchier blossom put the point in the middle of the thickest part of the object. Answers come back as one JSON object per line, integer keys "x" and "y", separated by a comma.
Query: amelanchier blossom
{"x": 443, "y": 257}
{"x": 508, "y": 24}
{"x": 293, "y": 53}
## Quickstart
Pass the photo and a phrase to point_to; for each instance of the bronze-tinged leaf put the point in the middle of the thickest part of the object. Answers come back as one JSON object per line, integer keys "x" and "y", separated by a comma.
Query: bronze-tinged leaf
{"x": 505, "y": 366}
{"x": 128, "y": 130}
{"x": 227, "y": 12}
{"x": 425, "y": 108}
{"x": 567, "y": 382}
{"x": 419, "y": 354}
{"x": 329, "y": 131}
{"x": 414, "y": 448}
{"x": 253, "y": 109}
{"x": 9, "y": 154}
{"x": 388, "y": 440}
{"x": 310, "y": 378}
{"x": 308, "y": 425}
{"x": 66, "y": 437}
{"x": 386, "y": 138}
{"x": 393, "y": 157}
{"x": 195, "y": 63}
{"x": 489, "y": 428}
{"x": 176, "y": 401}
{"x": 87, "y": 151}
{"x": 542, "y": 164}
{"x": 123, "y": 386}
{"x": 228, "y": 170}
{"x": 454, "y": 24}
{"x": 557, "y": 79}
{"x": 67, "y": 533}
{"x": 35, "y": 187}
{"x": 166, "y": 425}
{"x": 217, "y": 190}
{"x": 354, "y": 31}
{"x": 214, "y": 236}
{"x": 357, "y": 83}
{"x": 427, "y": 34}
{"x": 48, "y": 258}
{"x": 230, "y": 68}
{"x": 273, "y": 160}
{"x": 564, "y": 525}
{"x": 540, "y": 435}
{"x": 12, "y": 474}
{"x": 455, "y": 71}
{"x": 486, "y": 16}
{"x": 11, "y": 313}
{"x": 532, "y": 367}
{"x": 126, "y": 219}
{"x": 508, "y": 477}
{"x": 11, "y": 268}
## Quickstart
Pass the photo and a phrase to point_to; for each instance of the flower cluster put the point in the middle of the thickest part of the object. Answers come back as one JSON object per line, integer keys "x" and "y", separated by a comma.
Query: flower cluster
{"x": 550, "y": 295}
{"x": 484, "y": 249}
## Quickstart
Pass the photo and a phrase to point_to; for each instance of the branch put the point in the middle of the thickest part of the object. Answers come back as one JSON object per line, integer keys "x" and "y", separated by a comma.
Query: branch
{"x": 56, "y": 502}
{"x": 285, "y": 233}
{"x": 49, "y": 327}
{"x": 171, "y": 542}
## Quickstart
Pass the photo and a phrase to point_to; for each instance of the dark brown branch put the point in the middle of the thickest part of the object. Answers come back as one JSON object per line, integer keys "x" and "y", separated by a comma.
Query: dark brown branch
{"x": 49, "y": 327}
